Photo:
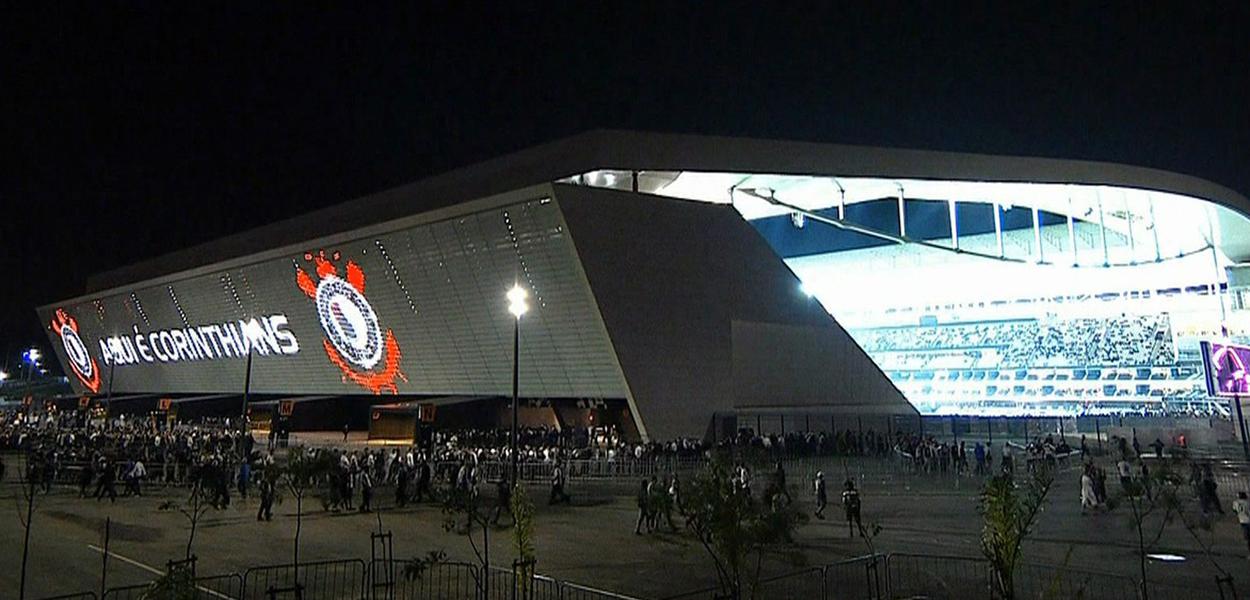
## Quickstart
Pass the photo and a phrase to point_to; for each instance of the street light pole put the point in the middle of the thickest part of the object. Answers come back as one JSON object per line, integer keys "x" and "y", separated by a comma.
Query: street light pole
{"x": 517, "y": 306}
{"x": 516, "y": 360}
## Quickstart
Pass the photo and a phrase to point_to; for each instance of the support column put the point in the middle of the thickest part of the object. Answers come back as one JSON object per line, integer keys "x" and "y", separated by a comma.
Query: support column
{"x": 998, "y": 228}
{"x": 954, "y": 223}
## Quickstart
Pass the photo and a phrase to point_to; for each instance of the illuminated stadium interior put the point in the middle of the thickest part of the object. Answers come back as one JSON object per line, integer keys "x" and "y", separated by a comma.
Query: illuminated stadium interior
{"x": 997, "y": 298}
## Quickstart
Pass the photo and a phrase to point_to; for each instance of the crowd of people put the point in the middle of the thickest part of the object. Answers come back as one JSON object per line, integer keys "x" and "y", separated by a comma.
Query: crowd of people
{"x": 1126, "y": 340}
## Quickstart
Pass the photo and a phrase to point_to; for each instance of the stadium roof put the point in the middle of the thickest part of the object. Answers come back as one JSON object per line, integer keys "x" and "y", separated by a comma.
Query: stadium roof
{"x": 703, "y": 167}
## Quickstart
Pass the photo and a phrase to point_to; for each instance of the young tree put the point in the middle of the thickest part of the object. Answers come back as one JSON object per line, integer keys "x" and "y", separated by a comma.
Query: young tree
{"x": 28, "y": 495}
{"x": 1152, "y": 503}
{"x": 732, "y": 527}
{"x": 465, "y": 503}
{"x": 194, "y": 508}
{"x": 302, "y": 473}
{"x": 523, "y": 540}
{"x": 1010, "y": 512}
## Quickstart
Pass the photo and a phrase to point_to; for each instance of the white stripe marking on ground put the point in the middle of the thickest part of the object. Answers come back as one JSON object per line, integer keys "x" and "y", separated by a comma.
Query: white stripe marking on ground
{"x": 151, "y": 569}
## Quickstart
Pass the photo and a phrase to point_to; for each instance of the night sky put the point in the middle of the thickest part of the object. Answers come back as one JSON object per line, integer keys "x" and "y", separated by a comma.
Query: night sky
{"x": 130, "y": 132}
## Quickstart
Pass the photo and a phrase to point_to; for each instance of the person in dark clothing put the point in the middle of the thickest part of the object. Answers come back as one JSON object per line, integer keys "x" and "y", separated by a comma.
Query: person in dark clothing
{"x": 644, "y": 501}
{"x": 850, "y": 504}
{"x": 504, "y": 501}
{"x": 1, "y": 469}
{"x": 346, "y": 428}
{"x": 557, "y": 486}
{"x": 366, "y": 491}
{"x": 423, "y": 479}
{"x": 267, "y": 493}
{"x": 106, "y": 483}
{"x": 401, "y": 486}
{"x": 779, "y": 483}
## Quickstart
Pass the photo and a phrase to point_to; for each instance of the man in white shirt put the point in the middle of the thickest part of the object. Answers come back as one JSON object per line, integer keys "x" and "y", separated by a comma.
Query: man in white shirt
{"x": 1241, "y": 508}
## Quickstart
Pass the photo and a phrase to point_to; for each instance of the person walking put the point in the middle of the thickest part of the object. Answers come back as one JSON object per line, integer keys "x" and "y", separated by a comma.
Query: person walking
{"x": 347, "y": 427}
{"x": 366, "y": 491}
{"x": 822, "y": 498}
{"x": 106, "y": 483}
{"x": 267, "y": 493}
{"x": 673, "y": 493}
{"x": 1089, "y": 499}
{"x": 1241, "y": 508}
{"x": 503, "y": 493}
{"x": 850, "y": 504}
{"x": 557, "y": 486}
{"x": 643, "y": 500}
{"x": 402, "y": 476}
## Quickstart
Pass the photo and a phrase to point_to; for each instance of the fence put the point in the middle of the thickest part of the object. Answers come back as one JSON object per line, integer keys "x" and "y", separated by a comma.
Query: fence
{"x": 220, "y": 587}
{"x": 951, "y": 578}
{"x": 330, "y": 579}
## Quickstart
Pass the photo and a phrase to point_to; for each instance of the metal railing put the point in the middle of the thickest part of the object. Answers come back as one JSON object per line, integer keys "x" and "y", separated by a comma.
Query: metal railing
{"x": 328, "y": 579}
{"x": 78, "y": 596}
{"x": 219, "y": 587}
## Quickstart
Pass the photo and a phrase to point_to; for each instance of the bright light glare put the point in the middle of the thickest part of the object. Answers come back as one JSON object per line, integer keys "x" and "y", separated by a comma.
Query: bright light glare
{"x": 516, "y": 301}
{"x": 33, "y": 355}
{"x": 1166, "y": 557}
{"x": 3, "y": 375}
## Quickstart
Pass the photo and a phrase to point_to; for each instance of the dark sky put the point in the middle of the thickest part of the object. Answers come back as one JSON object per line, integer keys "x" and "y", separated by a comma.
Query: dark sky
{"x": 130, "y": 131}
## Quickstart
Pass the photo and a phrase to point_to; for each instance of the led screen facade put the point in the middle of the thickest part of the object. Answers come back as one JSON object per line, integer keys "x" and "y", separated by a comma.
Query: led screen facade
{"x": 1227, "y": 368}
{"x": 419, "y": 310}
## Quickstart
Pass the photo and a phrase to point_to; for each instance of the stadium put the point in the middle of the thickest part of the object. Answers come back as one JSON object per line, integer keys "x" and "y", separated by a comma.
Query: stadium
{"x": 684, "y": 286}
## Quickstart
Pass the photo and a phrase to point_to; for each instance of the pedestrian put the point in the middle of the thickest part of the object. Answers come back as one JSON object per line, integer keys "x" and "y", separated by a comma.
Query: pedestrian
{"x": 137, "y": 474}
{"x": 402, "y": 476}
{"x": 366, "y": 491}
{"x": 822, "y": 497}
{"x": 557, "y": 486}
{"x": 346, "y": 428}
{"x": 106, "y": 483}
{"x": 669, "y": 506}
{"x": 1241, "y": 508}
{"x": 779, "y": 483}
{"x": 245, "y": 476}
{"x": 643, "y": 499}
{"x": 503, "y": 491}
{"x": 424, "y": 474}
{"x": 1126, "y": 476}
{"x": 850, "y": 504}
{"x": 979, "y": 452}
{"x": 267, "y": 493}
{"x": 1, "y": 469}
{"x": 1089, "y": 498}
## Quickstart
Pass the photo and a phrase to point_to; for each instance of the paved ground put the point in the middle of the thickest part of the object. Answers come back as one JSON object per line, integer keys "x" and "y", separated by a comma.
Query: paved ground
{"x": 590, "y": 542}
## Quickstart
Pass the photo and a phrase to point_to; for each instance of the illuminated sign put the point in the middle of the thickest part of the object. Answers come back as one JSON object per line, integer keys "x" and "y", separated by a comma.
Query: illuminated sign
{"x": 1226, "y": 368}
{"x": 354, "y": 340}
{"x": 264, "y": 335}
{"x": 286, "y": 407}
{"x": 79, "y": 358}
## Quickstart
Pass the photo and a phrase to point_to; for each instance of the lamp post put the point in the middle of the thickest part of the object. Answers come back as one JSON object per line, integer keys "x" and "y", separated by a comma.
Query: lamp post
{"x": 517, "y": 305}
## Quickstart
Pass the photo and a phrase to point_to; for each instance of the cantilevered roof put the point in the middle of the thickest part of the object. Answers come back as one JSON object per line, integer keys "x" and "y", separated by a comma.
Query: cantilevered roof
{"x": 637, "y": 151}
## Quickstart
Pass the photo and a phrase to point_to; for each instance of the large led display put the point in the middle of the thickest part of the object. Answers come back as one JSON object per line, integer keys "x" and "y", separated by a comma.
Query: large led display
{"x": 419, "y": 310}
{"x": 1227, "y": 367}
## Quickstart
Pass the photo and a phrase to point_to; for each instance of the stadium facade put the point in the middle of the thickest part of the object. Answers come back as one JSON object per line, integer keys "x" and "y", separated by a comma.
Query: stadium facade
{"x": 680, "y": 284}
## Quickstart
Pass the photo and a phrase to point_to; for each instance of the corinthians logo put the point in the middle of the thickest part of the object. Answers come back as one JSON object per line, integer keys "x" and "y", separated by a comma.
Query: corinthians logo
{"x": 354, "y": 342}
{"x": 79, "y": 359}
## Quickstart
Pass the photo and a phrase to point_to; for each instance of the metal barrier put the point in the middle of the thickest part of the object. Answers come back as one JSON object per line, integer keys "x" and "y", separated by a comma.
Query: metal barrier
{"x": 862, "y": 578}
{"x": 219, "y": 587}
{"x": 938, "y": 577}
{"x": 78, "y": 596}
{"x": 441, "y": 581}
{"x": 502, "y": 584}
{"x": 328, "y": 580}
{"x": 573, "y": 591}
